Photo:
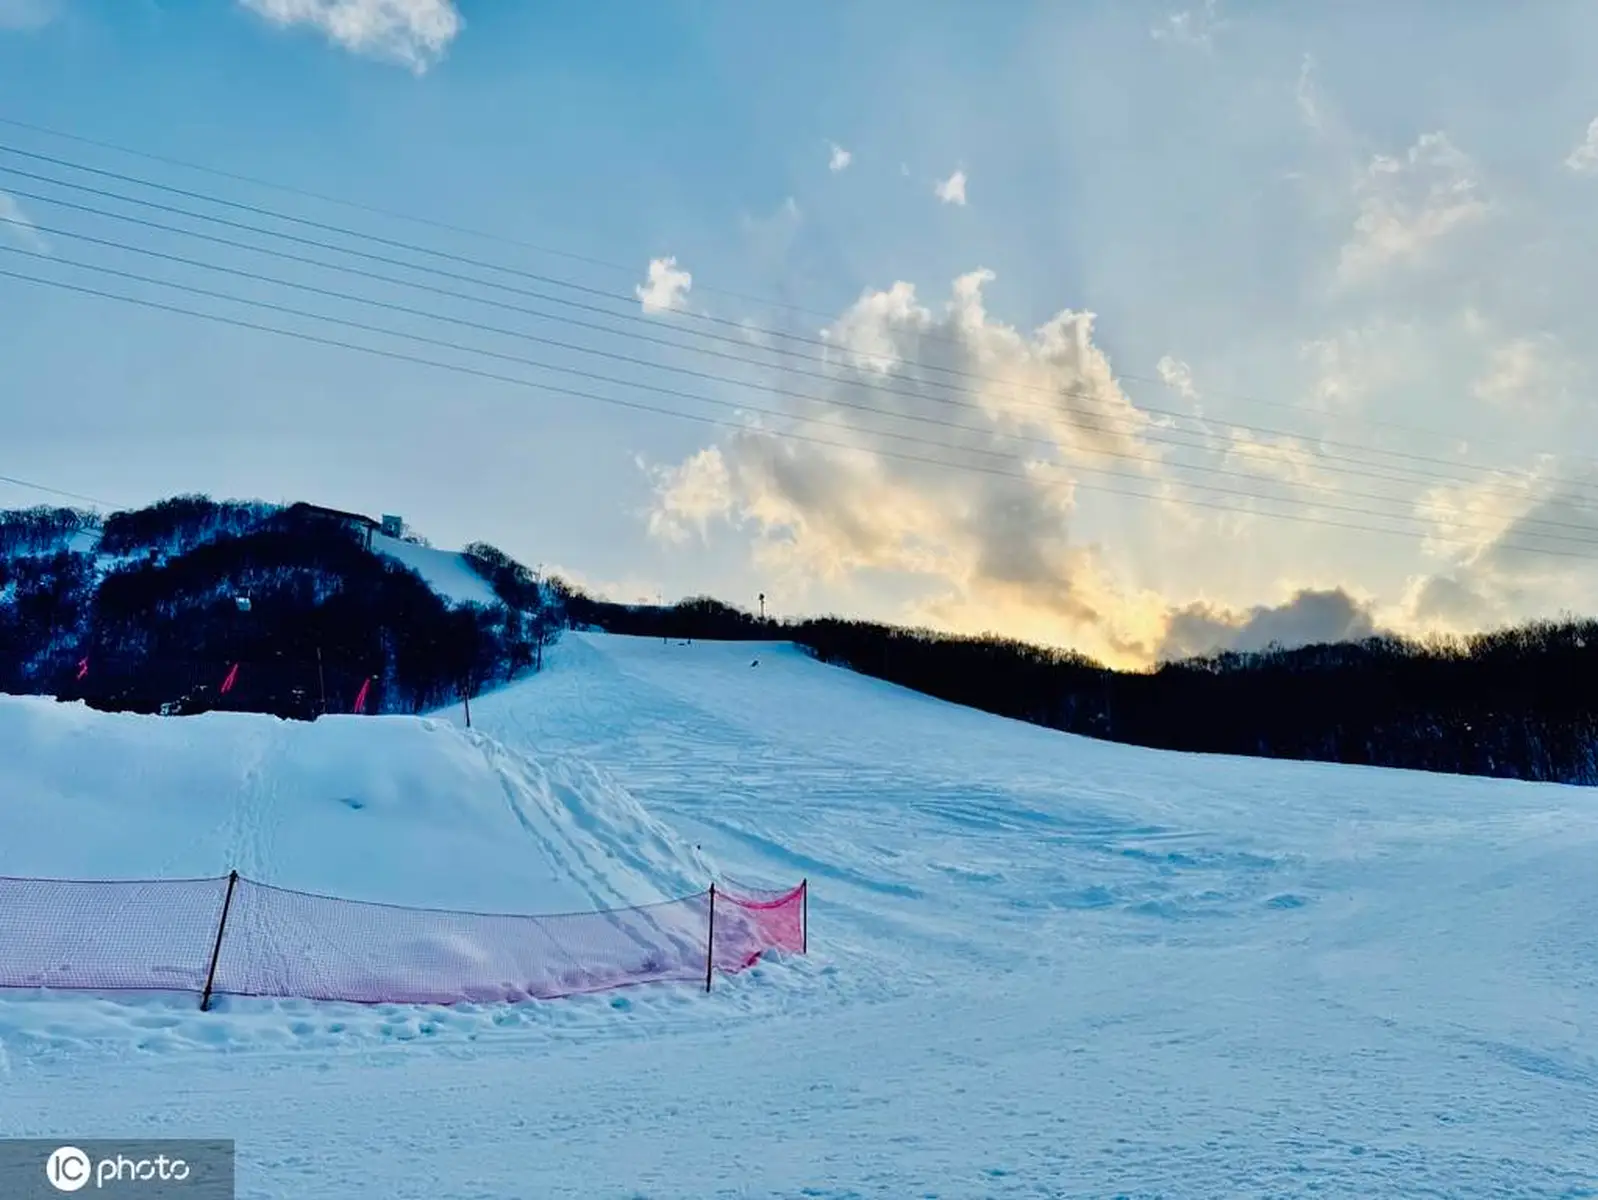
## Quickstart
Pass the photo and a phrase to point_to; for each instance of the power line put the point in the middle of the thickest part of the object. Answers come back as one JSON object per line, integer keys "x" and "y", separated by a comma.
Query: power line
{"x": 607, "y": 264}
{"x": 546, "y": 366}
{"x": 481, "y": 264}
{"x": 1323, "y": 457}
{"x": 478, "y": 372}
{"x": 54, "y": 491}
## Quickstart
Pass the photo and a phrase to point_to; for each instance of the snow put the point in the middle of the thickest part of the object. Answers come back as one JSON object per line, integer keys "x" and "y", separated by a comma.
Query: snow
{"x": 389, "y": 809}
{"x": 445, "y": 571}
{"x": 1039, "y": 965}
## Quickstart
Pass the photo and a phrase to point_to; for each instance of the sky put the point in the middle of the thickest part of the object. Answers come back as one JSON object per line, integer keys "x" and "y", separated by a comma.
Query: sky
{"x": 1137, "y": 328}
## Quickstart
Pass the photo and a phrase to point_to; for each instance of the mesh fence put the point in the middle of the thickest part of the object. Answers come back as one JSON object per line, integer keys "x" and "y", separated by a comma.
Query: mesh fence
{"x": 233, "y": 936}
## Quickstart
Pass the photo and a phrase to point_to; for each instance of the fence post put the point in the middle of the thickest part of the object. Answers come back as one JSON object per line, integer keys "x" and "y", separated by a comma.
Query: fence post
{"x": 216, "y": 950}
{"x": 710, "y": 942}
{"x": 804, "y": 916}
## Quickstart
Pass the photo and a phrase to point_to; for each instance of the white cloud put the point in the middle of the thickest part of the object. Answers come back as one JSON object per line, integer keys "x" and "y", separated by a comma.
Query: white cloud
{"x": 1178, "y": 376}
{"x": 1584, "y": 158}
{"x": 1285, "y": 458}
{"x": 952, "y": 189}
{"x": 1354, "y": 363}
{"x": 840, "y": 159}
{"x": 414, "y": 33}
{"x": 985, "y": 546}
{"x": 15, "y": 224}
{"x": 1522, "y": 373}
{"x": 1517, "y": 546}
{"x": 1189, "y": 27}
{"x": 668, "y": 284}
{"x": 1407, "y": 204}
{"x": 690, "y": 495}
{"x": 25, "y": 15}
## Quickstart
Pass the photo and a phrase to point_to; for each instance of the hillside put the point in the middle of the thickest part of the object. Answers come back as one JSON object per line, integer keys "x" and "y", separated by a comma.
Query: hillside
{"x": 1040, "y": 964}
{"x": 318, "y": 611}
{"x": 1512, "y": 703}
{"x": 152, "y": 610}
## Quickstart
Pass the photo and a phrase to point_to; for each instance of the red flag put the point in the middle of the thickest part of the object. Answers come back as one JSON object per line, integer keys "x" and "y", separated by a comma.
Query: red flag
{"x": 83, "y": 669}
{"x": 232, "y": 678}
{"x": 360, "y": 696}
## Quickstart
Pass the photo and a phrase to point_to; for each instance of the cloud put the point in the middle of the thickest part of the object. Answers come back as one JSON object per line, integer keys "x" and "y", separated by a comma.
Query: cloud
{"x": 14, "y": 223}
{"x": 1352, "y": 364}
{"x": 840, "y": 159}
{"x": 1516, "y": 546}
{"x": 27, "y": 15}
{"x": 1408, "y": 204}
{"x": 690, "y": 495}
{"x": 413, "y": 33}
{"x": 978, "y": 528}
{"x": 667, "y": 286}
{"x": 952, "y": 189}
{"x": 1189, "y": 27}
{"x": 1177, "y": 376}
{"x": 1584, "y": 158}
{"x": 1310, "y": 617}
{"x": 1522, "y": 373}
{"x": 1287, "y": 459}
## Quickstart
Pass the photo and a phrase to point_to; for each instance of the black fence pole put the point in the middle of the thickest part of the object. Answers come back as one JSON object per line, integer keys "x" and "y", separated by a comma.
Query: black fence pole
{"x": 216, "y": 950}
{"x": 710, "y": 941}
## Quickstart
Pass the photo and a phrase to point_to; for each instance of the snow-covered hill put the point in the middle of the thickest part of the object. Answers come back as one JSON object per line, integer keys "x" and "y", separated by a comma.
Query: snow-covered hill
{"x": 1039, "y": 966}
{"x": 445, "y": 571}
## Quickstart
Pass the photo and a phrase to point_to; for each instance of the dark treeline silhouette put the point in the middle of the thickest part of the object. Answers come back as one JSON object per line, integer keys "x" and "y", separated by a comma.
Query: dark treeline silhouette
{"x": 142, "y": 611}
{"x": 1519, "y": 703}
{"x": 156, "y": 613}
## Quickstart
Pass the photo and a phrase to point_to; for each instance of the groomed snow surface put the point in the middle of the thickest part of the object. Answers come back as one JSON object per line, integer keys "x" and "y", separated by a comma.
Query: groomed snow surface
{"x": 1039, "y": 965}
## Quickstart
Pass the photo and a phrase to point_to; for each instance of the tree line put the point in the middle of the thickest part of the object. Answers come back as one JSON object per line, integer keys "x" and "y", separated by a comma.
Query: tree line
{"x": 142, "y": 611}
{"x": 1516, "y": 703}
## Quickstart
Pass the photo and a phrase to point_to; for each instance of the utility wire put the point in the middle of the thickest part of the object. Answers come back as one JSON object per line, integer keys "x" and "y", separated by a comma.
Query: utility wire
{"x": 478, "y": 372}
{"x": 259, "y": 277}
{"x": 1126, "y": 425}
{"x": 743, "y": 327}
{"x": 537, "y": 248}
{"x": 54, "y": 491}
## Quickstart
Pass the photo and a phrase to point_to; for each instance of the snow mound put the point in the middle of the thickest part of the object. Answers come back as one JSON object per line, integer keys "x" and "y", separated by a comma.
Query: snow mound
{"x": 399, "y": 810}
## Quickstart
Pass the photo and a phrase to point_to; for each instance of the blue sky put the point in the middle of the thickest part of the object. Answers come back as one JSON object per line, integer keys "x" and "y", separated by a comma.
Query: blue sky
{"x": 1288, "y": 274}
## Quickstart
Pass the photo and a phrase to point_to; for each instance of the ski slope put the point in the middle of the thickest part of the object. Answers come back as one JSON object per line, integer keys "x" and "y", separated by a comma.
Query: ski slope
{"x": 445, "y": 571}
{"x": 1039, "y": 966}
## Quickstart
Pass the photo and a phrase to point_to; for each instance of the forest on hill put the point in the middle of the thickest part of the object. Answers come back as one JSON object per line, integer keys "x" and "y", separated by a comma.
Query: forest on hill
{"x": 1517, "y": 703}
{"x": 193, "y": 604}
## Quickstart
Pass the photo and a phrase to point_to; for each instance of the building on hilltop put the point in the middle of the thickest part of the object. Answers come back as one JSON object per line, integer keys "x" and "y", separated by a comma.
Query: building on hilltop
{"x": 357, "y": 523}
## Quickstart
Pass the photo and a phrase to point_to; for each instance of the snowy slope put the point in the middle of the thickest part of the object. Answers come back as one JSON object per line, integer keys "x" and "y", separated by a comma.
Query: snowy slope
{"x": 389, "y": 809}
{"x": 1039, "y": 966}
{"x": 445, "y": 571}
